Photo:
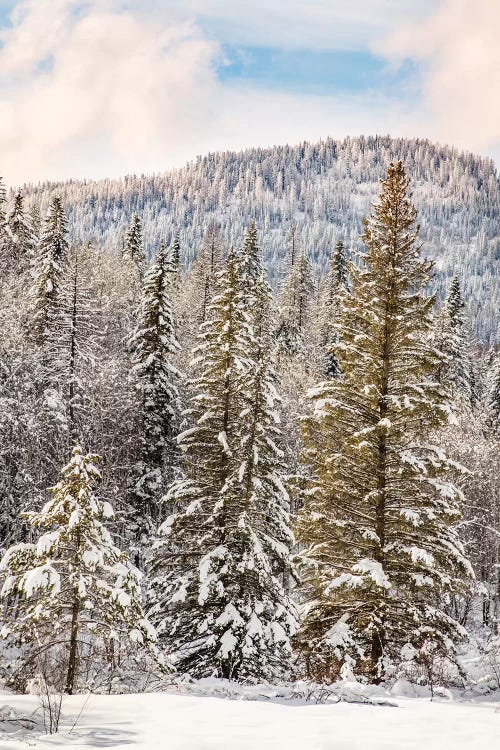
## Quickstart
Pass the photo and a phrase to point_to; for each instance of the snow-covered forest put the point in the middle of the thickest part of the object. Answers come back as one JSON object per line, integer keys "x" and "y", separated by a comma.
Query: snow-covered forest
{"x": 213, "y": 470}
{"x": 324, "y": 190}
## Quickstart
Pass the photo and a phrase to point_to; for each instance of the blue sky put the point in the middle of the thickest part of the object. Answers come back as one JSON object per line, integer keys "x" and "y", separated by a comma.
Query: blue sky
{"x": 103, "y": 87}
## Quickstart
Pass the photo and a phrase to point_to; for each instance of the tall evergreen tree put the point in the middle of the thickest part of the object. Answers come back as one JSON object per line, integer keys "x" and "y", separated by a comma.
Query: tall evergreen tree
{"x": 73, "y": 589}
{"x": 21, "y": 235}
{"x": 336, "y": 284}
{"x": 201, "y": 280}
{"x": 3, "y": 212}
{"x": 133, "y": 249}
{"x": 492, "y": 396}
{"x": 456, "y": 371}
{"x": 296, "y": 306}
{"x": 47, "y": 270}
{"x": 153, "y": 345}
{"x": 379, "y": 526}
{"x": 73, "y": 345}
{"x": 217, "y": 589}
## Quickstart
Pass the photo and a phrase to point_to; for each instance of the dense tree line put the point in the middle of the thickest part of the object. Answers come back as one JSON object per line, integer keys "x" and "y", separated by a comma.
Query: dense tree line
{"x": 321, "y": 191}
{"x": 348, "y": 409}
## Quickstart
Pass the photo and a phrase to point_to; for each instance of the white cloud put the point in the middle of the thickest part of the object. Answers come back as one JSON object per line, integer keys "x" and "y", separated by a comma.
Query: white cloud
{"x": 459, "y": 49}
{"x": 92, "y": 88}
{"x": 97, "y": 91}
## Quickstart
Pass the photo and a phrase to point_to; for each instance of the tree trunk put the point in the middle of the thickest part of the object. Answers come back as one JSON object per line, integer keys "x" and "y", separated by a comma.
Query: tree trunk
{"x": 70, "y": 678}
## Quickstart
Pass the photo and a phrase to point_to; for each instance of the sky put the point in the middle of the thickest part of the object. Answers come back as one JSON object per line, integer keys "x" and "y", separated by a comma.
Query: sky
{"x": 96, "y": 88}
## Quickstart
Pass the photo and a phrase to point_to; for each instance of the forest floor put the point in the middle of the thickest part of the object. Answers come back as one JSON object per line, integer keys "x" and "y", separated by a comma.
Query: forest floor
{"x": 173, "y": 721}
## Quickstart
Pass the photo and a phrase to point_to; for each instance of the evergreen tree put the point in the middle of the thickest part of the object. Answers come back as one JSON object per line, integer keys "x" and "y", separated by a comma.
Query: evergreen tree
{"x": 336, "y": 284}
{"x": 296, "y": 305}
{"x": 175, "y": 256}
{"x": 36, "y": 224}
{"x": 217, "y": 589}
{"x": 47, "y": 270}
{"x": 73, "y": 345}
{"x": 22, "y": 238}
{"x": 153, "y": 345}
{"x": 73, "y": 589}
{"x": 456, "y": 371}
{"x": 492, "y": 396}
{"x": 200, "y": 285}
{"x": 133, "y": 250}
{"x": 379, "y": 525}
{"x": 3, "y": 211}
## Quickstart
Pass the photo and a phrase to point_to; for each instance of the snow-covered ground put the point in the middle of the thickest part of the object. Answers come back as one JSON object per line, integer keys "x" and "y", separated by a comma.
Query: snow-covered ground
{"x": 192, "y": 722}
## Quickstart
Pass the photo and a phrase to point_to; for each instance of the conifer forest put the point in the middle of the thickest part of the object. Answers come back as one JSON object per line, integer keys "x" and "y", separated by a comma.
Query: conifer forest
{"x": 264, "y": 452}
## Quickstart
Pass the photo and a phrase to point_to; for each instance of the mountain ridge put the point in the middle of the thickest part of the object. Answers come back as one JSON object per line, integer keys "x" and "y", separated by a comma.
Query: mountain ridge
{"x": 325, "y": 189}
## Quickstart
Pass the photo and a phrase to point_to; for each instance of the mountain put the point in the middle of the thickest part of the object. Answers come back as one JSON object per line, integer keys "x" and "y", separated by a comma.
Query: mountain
{"x": 325, "y": 189}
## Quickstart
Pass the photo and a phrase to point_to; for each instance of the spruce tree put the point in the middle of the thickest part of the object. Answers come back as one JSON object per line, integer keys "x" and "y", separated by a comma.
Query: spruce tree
{"x": 47, "y": 263}
{"x": 217, "y": 589}
{"x": 456, "y": 371}
{"x": 492, "y": 396}
{"x": 74, "y": 343}
{"x": 336, "y": 284}
{"x": 3, "y": 214}
{"x": 133, "y": 249}
{"x": 153, "y": 345}
{"x": 21, "y": 235}
{"x": 296, "y": 306}
{"x": 379, "y": 526}
{"x": 200, "y": 286}
{"x": 72, "y": 591}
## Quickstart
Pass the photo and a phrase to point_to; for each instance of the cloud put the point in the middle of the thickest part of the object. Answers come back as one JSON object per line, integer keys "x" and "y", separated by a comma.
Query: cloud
{"x": 94, "y": 88}
{"x": 458, "y": 48}
{"x": 88, "y": 89}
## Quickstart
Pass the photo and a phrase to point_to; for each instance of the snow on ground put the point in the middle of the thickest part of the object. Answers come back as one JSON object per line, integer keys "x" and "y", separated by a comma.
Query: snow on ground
{"x": 167, "y": 721}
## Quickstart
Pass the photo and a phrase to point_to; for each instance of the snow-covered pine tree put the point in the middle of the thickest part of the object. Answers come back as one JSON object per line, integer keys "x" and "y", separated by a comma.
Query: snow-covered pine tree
{"x": 379, "y": 526}
{"x": 22, "y": 238}
{"x": 3, "y": 212}
{"x": 200, "y": 284}
{"x": 133, "y": 249}
{"x": 456, "y": 371}
{"x": 73, "y": 345}
{"x": 336, "y": 284}
{"x": 217, "y": 589}
{"x": 492, "y": 396}
{"x": 175, "y": 270}
{"x": 295, "y": 308}
{"x": 153, "y": 345}
{"x": 175, "y": 254}
{"x": 72, "y": 592}
{"x": 47, "y": 267}
{"x": 36, "y": 223}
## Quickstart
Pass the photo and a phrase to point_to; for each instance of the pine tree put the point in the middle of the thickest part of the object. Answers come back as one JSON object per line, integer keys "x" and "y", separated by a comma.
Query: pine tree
{"x": 336, "y": 284}
{"x": 73, "y": 345}
{"x": 296, "y": 305}
{"x": 73, "y": 589}
{"x": 21, "y": 235}
{"x": 153, "y": 345}
{"x": 47, "y": 270}
{"x": 3, "y": 209}
{"x": 202, "y": 278}
{"x": 218, "y": 598}
{"x": 456, "y": 371}
{"x": 379, "y": 525}
{"x": 133, "y": 250}
{"x": 492, "y": 396}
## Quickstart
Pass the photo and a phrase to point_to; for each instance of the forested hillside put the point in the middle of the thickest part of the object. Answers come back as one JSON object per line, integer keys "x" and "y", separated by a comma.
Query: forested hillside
{"x": 202, "y": 475}
{"x": 325, "y": 189}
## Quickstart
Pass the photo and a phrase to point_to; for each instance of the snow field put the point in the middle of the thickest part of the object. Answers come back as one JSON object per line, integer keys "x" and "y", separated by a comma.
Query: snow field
{"x": 162, "y": 721}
